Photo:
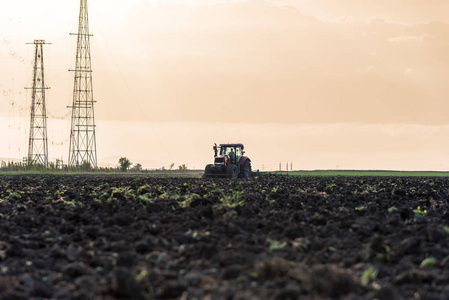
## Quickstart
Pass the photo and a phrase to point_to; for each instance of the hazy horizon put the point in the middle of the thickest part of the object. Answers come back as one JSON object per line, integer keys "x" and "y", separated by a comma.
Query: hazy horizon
{"x": 321, "y": 84}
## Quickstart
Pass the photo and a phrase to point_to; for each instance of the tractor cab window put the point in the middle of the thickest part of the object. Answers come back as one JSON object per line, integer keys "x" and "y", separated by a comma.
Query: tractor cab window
{"x": 229, "y": 150}
{"x": 238, "y": 152}
{"x": 223, "y": 150}
{"x": 226, "y": 150}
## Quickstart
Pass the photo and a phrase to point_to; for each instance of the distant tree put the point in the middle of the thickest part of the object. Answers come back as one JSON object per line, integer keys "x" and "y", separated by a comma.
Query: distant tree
{"x": 124, "y": 164}
{"x": 171, "y": 166}
{"x": 86, "y": 166}
{"x": 137, "y": 168}
{"x": 182, "y": 167}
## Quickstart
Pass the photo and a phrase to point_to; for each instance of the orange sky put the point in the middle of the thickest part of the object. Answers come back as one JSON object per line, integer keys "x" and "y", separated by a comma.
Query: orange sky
{"x": 289, "y": 72}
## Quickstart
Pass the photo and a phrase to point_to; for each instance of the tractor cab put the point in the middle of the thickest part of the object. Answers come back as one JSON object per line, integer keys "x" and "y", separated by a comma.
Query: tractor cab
{"x": 231, "y": 152}
{"x": 229, "y": 162}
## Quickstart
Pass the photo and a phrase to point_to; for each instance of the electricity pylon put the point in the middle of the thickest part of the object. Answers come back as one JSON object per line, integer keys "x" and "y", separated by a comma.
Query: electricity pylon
{"x": 38, "y": 143}
{"x": 83, "y": 148}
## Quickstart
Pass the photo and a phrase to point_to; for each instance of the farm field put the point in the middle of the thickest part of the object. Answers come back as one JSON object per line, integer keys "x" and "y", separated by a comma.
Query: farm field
{"x": 273, "y": 237}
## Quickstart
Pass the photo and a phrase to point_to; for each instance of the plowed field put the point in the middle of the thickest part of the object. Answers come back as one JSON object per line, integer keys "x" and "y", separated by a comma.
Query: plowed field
{"x": 109, "y": 237}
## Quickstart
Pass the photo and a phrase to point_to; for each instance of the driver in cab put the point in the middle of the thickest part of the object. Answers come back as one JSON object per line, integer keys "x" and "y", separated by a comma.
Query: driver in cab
{"x": 232, "y": 154}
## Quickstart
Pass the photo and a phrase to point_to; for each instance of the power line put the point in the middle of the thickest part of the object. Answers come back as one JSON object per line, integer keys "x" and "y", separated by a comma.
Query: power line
{"x": 140, "y": 109}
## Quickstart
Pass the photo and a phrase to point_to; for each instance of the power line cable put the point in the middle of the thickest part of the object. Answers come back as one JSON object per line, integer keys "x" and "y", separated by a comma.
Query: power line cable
{"x": 133, "y": 95}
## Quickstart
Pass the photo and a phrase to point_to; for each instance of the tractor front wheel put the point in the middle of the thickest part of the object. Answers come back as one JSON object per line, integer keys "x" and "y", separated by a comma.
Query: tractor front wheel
{"x": 232, "y": 171}
{"x": 207, "y": 171}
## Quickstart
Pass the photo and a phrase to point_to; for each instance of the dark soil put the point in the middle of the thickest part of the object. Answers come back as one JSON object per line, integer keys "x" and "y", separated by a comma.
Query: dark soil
{"x": 109, "y": 237}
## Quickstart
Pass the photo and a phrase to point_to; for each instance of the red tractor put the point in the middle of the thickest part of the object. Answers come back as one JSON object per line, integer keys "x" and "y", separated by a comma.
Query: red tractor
{"x": 229, "y": 162}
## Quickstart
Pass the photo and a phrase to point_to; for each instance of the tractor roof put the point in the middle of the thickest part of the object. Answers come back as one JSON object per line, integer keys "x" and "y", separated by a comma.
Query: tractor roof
{"x": 231, "y": 145}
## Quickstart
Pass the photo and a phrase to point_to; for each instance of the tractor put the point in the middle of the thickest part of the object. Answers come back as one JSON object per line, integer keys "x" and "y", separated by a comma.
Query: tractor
{"x": 229, "y": 162}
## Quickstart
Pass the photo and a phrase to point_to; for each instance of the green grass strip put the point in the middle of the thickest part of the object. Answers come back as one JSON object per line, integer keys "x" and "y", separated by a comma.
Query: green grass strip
{"x": 364, "y": 173}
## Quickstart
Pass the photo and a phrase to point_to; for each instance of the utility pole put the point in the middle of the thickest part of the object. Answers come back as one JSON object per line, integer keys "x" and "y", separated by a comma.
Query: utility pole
{"x": 83, "y": 145}
{"x": 38, "y": 143}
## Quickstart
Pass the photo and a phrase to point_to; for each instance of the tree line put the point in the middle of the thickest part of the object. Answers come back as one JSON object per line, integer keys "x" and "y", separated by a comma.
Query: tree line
{"x": 124, "y": 165}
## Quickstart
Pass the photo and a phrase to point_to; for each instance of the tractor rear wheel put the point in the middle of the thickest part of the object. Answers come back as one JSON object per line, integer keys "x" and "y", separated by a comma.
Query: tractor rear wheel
{"x": 232, "y": 171}
{"x": 246, "y": 170}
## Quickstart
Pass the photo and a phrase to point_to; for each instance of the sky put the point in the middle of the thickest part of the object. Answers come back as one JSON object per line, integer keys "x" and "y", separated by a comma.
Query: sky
{"x": 317, "y": 84}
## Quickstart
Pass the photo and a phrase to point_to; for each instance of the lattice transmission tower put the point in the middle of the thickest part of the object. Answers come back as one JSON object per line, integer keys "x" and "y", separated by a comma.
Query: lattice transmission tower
{"x": 83, "y": 148}
{"x": 38, "y": 143}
